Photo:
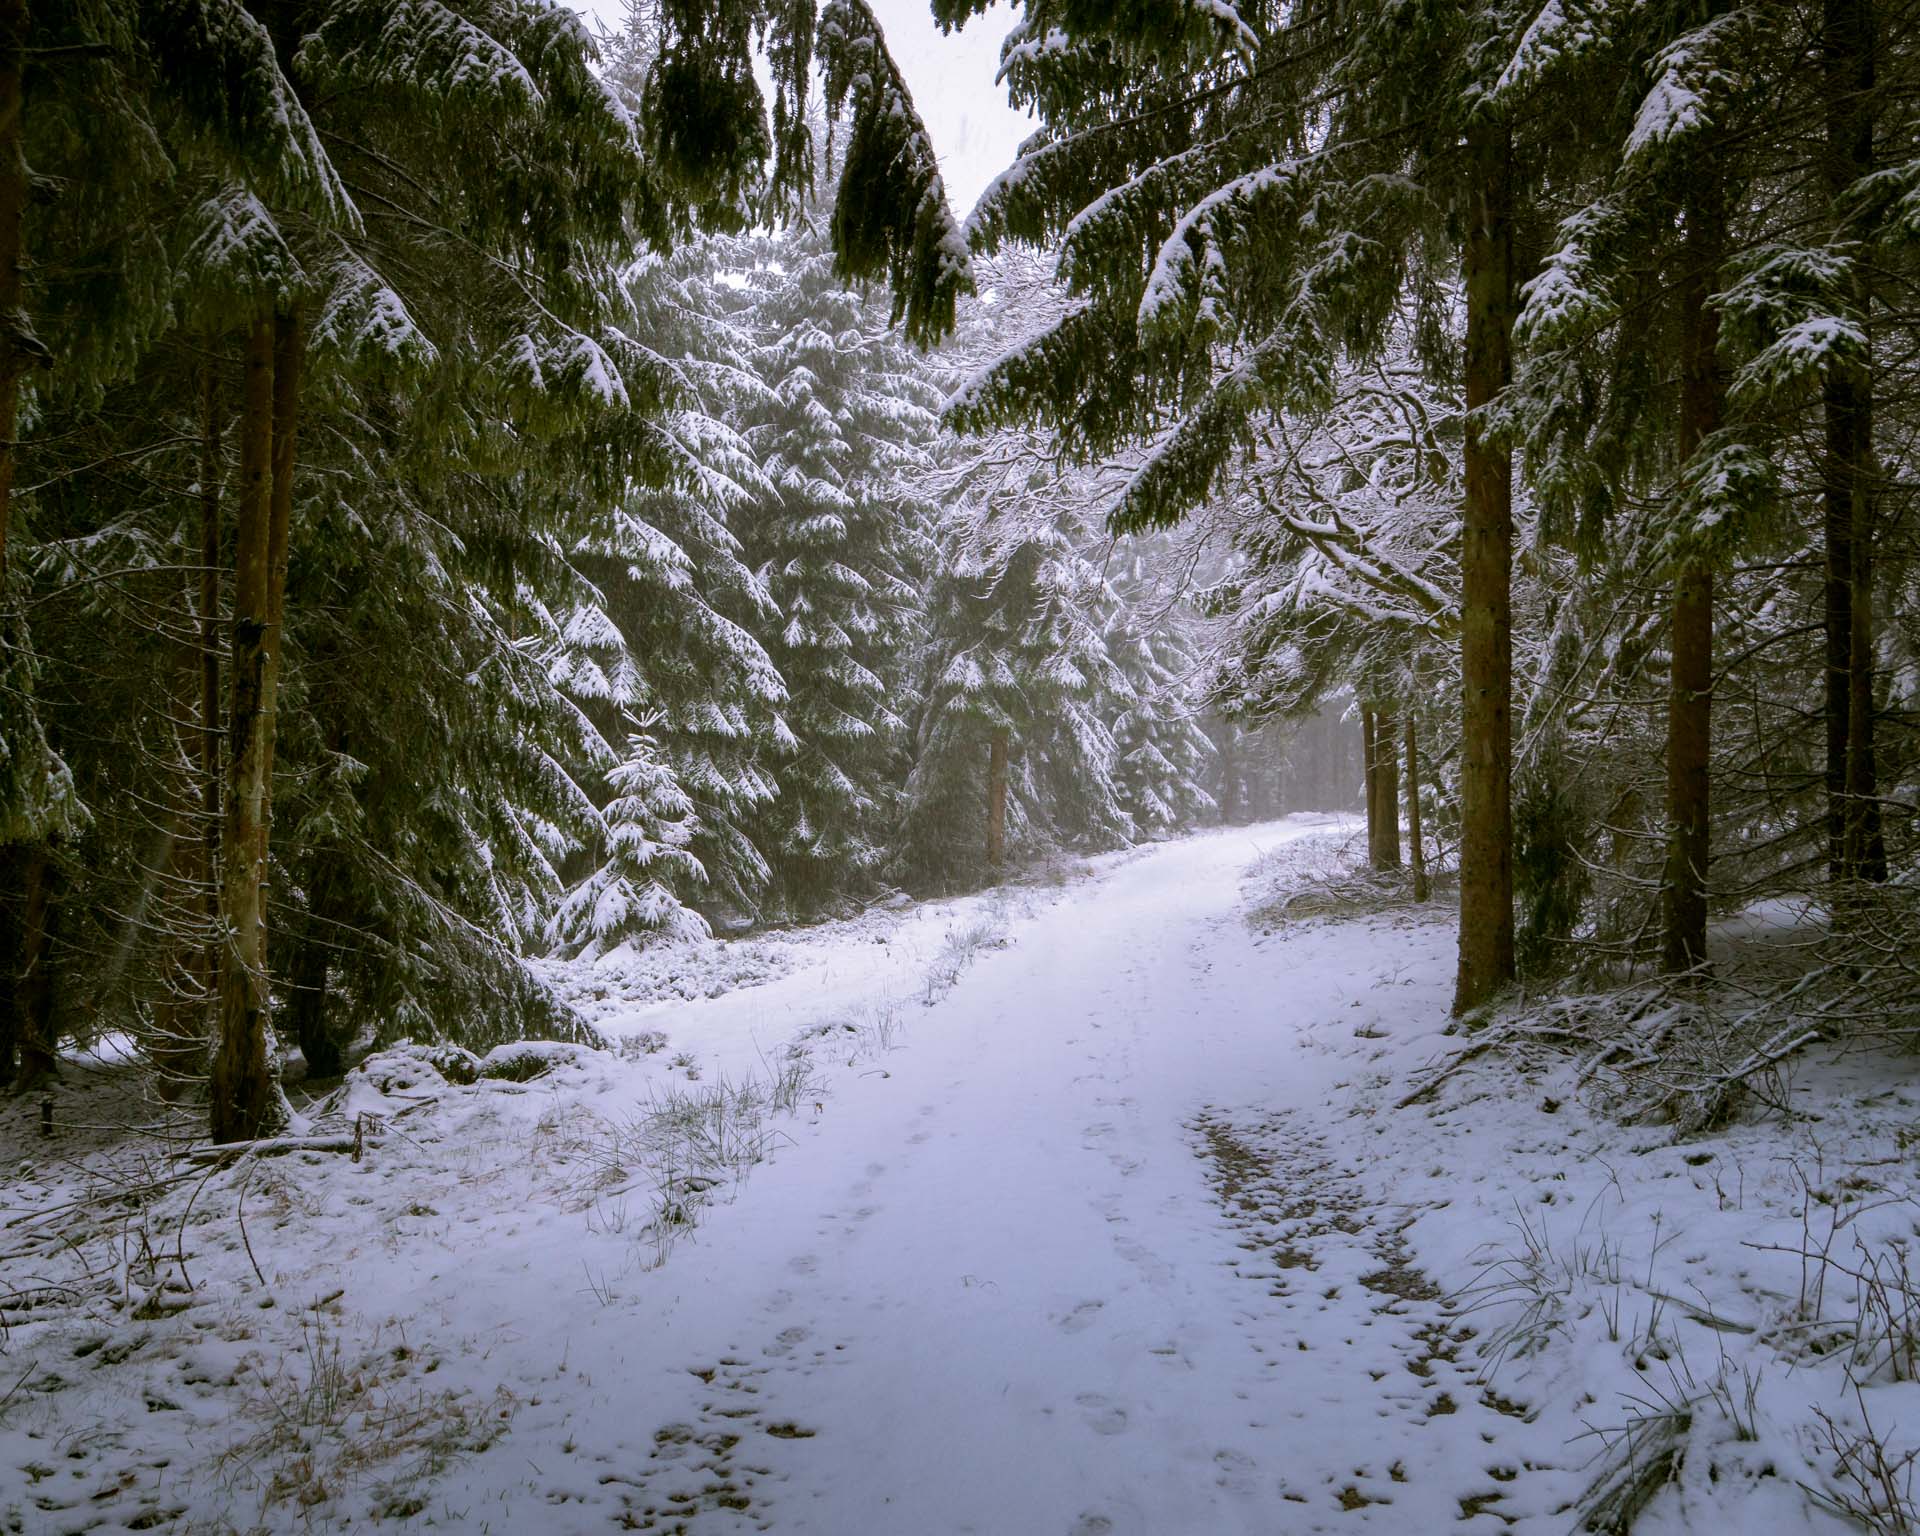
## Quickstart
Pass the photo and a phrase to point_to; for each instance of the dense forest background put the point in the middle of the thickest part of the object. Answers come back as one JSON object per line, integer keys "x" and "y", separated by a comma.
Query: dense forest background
{"x": 442, "y": 528}
{"x": 471, "y": 489}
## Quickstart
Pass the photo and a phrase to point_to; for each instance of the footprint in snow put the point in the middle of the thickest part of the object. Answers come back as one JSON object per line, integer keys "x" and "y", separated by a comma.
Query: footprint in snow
{"x": 1104, "y": 1417}
{"x": 1081, "y": 1317}
{"x": 784, "y": 1342}
{"x": 1237, "y": 1473}
{"x": 1092, "y": 1525}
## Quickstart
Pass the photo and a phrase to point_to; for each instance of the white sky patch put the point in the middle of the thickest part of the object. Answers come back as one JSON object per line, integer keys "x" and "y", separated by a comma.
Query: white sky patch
{"x": 975, "y": 133}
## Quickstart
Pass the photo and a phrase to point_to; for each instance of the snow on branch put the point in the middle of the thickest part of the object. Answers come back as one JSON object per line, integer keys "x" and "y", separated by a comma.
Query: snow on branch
{"x": 220, "y": 62}
{"x": 1692, "y": 76}
{"x": 890, "y": 216}
{"x": 415, "y": 45}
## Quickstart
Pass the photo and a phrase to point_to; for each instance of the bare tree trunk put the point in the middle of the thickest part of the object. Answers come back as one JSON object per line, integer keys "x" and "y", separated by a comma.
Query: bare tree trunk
{"x": 997, "y": 798}
{"x": 1229, "y": 773}
{"x": 35, "y": 996}
{"x": 1386, "y": 746}
{"x": 1841, "y": 457}
{"x": 17, "y": 862}
{"x": 1486, "y": 643}
{"x": 1857, "y": 847}
{"x": 1422, "y": 887}
{"x": 16, "y": 347}
{"x": 12, "y": 866}
{"x": 1689, "y": 743}
{"x": 1690, "y": 691}
{"x": 12, "y": 862}
{"x": 246, "y": 1099}
{"x": 289, "y": 358}
{"x": 212, "y": 471}
{"x": 307, "y": 1003}
{"x": 185, "y": 1028}
{"x": 1866, "y": 848}
{"x": 1370, "y": 788}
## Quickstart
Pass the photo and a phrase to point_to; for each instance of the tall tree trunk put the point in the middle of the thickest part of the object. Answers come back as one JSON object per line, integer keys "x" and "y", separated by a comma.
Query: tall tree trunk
{"x": 997, "y": 797}
{"x": 1229, "y": 773}
{"x": 307, "y": 979}
{"x": 1370, "y": 783}
{"x": 1857, "y": 848}
{"x": 212, "y": 471}
{"x": 1690, "y": 690}
{"x": 1486, "y": 570}
{"x": 16, "y": 861}
{"x": 13, "y": 859}
{"x": 16, "y": 347}
{"x": 245, "y": 1097}
{"x": 1689, "y": 743}
{"x": 289, "y": 358}
{"x": 12, "y": 865}
{"x": 1386, "y": 746}
{"x": 35, "y": 996}
{"x": 1866, "y": 847}
{"x": 1422, "y": 887}
{"x": 307, "y": 987}
{"x": 1842, "y": 424}
{"x": 179, "y": 1052}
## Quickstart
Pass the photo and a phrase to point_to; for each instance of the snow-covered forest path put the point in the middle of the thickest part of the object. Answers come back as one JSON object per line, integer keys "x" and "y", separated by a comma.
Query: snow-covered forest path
{"x": 1090, "y": 1254}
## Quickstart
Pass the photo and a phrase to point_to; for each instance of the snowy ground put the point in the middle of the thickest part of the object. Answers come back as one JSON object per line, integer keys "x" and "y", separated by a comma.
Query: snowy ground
{"x": 1085, "y": 1209}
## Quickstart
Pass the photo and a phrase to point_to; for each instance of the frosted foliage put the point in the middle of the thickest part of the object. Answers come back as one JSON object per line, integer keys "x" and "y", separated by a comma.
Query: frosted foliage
{"x": 1034, "y": 636}
{"x": 365, "y": 322}
{"x": 841, "y": 431}
{"x": 1560, "y": 34}
{"x": 257, "y": 107}
{"x": 236, "y": 253}
{"x": 1689, "y": 76}
{"x": 418, "y": 45}
{"x": 1345, "y": 527}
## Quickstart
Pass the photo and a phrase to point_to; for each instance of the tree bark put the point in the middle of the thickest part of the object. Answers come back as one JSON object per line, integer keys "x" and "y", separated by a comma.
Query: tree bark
{"x": 307, "y": 984}
{"x": 1386, "y": 746}
{"x": 997, "y": 798}
{"x": 15, "y": 354}
{"x": 12, "y": 861}
{"x": 245, "y": 1096}
{"x": 1422, "y": 887}
{"x": 1690, "y": 690}
{"x": 19, "y": 861}
{"x": 179, "y": 1052}
{"x": 1486, "y": 614}
{"x": 289, "y": 358}
{"x": 1838, "y": 466}
{"x": 1856, "y": 843}
{"x": 308, "y": 980}
{"x": 212, "y": 470}
{"x": 1229, "y": 773}
{"x": 1689, "y": 743}
{"x": 35, "y": 996}
{"x": 1370, "y": 783}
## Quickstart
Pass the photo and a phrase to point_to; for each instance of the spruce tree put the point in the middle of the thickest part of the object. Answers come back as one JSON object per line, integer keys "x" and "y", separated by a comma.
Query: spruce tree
{"x": 662, "y": 657}
{"x": 842, "y": 433}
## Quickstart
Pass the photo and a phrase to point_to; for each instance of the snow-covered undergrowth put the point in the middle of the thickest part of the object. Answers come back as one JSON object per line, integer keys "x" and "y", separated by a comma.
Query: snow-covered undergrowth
{"x": 1716, "y": 1321}
{"x": 1163, "y": 1201}
{"x": 198, "y": 1343}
